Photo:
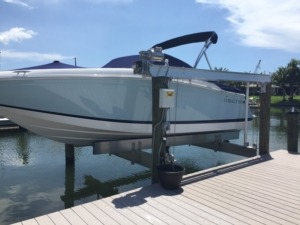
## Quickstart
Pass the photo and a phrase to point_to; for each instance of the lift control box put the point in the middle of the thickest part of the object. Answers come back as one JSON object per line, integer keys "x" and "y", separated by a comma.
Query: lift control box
{"x": 166, "y": 98}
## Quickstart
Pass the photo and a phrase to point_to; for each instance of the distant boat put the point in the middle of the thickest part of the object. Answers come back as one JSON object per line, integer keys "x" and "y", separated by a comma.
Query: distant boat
{"x": 253, "y": 103}
{"x": 4, "y": 122}
{"x": 84, "y": 105}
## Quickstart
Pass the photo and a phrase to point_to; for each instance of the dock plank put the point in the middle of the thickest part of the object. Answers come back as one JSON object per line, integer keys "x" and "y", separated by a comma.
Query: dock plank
{"x": 30, "y": 222}
{"x": 223, "y": 207}
{"x": 125, "y": 211}
{"x": 155, "y": 209}
{"x": 263, "y": 188}
{"x": 146, "y": 215}
{"x": 58, "y": 218}
{"x": 112, "y": 212}
{"x": 264, "y": 210}
{"x": 45, "y": 220}
{"x": 172, "y": 210}
{"x": 286, "y": 179}
{"x": 72, "y": 217}
{"x": 188, "y": 210}
{"x": 138, "y": 205}
{"x": 208, "y": 212}
{"x": 243, "y": 193}
{"x": 99, "y": 214}
{"x": 178, "y": 209}
{"x": 259, "y": 190}
{"x": 85, "y": 215}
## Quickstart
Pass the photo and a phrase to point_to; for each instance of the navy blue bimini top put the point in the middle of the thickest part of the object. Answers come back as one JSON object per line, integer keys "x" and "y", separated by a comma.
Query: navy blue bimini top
{"x": 129, "y": 61}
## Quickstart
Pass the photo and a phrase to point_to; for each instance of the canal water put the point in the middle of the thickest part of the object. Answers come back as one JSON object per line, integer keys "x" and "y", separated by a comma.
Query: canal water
{"x": 35, "y": 181}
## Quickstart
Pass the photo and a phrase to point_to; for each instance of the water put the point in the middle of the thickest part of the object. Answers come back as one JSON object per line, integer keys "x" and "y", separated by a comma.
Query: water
{"x": 34, "y": 180}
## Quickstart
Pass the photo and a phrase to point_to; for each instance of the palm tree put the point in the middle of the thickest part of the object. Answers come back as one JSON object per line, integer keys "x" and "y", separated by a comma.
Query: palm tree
{"x": 294, "y": 76}
{"x": 280, "y": 78}
{"x": 229, "y": 83}
{"x": 221, "y": 68}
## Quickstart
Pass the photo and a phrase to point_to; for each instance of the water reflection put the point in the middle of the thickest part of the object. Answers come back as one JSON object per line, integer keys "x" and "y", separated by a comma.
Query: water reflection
{"x": 95, "y": 187}
{"x": 22, "y": 147}
{"x": 44, "y": 184}
{"x": 13, "y": 148}
{"x": 68, "y": 198}
{"x": 278, "y": 129}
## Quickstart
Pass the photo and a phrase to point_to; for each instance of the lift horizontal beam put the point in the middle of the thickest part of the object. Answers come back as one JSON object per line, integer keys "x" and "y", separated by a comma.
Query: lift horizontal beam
{"x": 211, "y": 75}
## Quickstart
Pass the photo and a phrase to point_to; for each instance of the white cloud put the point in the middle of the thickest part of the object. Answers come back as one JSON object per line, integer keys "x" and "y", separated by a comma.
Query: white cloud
{"x": 20, "y": 3}
{"x": 33, "y": 56}
{"x": 16, "y": 34}
{"x": 264, "y": 23}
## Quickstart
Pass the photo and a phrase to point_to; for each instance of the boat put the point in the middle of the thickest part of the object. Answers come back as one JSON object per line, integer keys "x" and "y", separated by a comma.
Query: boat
{"x": 6, "y": 123}
{"x": 81, "y": 106}
{"x": 254, "y": 102}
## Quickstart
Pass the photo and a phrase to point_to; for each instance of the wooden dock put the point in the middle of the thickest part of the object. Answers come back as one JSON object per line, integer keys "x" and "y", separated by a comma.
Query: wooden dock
{"x": 260, "y": 190}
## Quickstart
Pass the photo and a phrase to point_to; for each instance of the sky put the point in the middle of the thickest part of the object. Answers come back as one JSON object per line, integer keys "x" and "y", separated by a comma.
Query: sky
{"x": 34, "y": 32}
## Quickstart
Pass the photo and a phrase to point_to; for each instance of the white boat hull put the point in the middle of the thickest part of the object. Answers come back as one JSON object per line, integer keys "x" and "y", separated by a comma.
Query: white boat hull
{"x": 83, "y": 106}
{"x": 83, "y": 132}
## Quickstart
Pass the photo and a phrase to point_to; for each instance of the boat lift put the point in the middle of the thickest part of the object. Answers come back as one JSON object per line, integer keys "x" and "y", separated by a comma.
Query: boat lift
{"x": 132, "y": 150}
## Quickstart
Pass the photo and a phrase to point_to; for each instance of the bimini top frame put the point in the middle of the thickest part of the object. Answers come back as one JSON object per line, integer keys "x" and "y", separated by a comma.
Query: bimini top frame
{"x": 149, "y": 67}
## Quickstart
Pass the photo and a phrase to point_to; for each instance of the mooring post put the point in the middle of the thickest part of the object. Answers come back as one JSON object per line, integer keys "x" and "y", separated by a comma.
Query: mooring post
{"x": 292, "y": 130}
{"x": 69, "y": 155}
{"x": 158, "y": 119}
{"x": 264, "y": 121}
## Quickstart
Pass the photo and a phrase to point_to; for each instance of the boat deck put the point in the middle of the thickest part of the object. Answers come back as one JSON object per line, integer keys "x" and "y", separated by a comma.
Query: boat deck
{"x": 260, "y": 190}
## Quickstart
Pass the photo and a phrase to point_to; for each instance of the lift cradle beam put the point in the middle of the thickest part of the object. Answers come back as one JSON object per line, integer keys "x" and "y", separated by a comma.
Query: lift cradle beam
{"x": 132, "y": 149}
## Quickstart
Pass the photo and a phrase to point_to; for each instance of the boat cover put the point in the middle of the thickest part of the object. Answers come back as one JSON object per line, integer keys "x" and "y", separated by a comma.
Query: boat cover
{"x": 54, "y": 65}
{"x": 129, "y": 61}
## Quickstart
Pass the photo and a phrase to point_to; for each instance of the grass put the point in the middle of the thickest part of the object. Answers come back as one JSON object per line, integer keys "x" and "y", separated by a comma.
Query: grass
{"x": 278, "y": 101}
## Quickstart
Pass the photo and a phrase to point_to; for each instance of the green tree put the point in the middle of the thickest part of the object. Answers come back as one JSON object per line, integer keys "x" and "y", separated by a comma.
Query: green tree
{"x": 280, "y": 78}
{"x": 229, "y": 83}
{"x": 293, "y": 76}
{"x": 221, "y": 68}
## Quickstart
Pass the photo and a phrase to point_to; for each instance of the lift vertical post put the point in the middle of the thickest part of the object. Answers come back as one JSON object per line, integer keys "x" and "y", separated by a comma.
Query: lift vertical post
{"x": 158, "y": 119}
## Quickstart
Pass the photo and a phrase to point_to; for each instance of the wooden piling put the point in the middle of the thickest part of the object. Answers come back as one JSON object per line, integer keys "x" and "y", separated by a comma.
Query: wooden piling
{"x": 68, "y": 198}
{"x": 264, "y": 124}
{"x": 158, "y": 118}
{"x": 292, "y": 130}
{"x": 69, "y": 154}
